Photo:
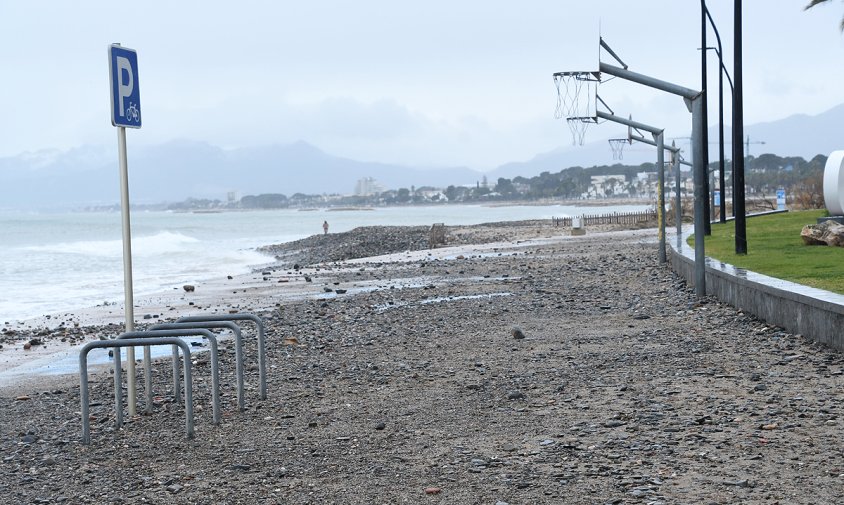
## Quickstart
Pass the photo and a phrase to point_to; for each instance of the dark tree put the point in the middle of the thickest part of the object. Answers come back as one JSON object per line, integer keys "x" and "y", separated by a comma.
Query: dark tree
{"x": 818, "y": 2}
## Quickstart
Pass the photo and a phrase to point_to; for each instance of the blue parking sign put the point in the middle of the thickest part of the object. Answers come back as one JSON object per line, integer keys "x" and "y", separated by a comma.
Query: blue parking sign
{"x": 125, "y": 90}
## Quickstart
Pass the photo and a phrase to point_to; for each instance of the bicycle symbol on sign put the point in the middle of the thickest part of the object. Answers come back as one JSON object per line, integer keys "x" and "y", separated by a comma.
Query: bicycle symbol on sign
{"x": 132, "y": 113}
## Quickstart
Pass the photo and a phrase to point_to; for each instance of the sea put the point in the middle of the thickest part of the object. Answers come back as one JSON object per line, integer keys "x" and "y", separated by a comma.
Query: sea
{"x": 58, "y": 262}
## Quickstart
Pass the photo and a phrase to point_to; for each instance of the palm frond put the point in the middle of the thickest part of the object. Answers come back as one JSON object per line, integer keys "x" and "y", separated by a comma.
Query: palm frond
{"x": 813, "y": 3}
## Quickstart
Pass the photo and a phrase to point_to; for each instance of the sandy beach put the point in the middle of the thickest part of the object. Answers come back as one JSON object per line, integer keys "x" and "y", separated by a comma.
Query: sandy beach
{"x": 514, "y": 365}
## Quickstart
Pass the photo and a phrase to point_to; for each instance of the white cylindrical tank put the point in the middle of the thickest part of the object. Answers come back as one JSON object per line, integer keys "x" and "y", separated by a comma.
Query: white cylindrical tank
{"x": 833, "y": 183}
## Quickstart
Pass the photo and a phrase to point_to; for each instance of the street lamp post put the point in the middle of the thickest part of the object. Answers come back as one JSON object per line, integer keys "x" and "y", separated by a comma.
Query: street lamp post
{"x": 722, "y": 70}
{"x": 707, "y": 190}
{"x": 738, "y": 137}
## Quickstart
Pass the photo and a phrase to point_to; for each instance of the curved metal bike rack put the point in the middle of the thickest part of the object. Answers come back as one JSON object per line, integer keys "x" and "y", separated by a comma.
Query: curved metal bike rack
{"x": 215, "y": 361}
{"x": 118, "y": 381}
{"x": 259, "y": 323}
{"x": 238, "y": 346}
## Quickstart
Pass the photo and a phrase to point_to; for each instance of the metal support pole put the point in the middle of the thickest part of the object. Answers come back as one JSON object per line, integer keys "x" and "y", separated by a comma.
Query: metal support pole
{"x": 675, "y": 158}
{"x": 738, "y": 139}
{"x": 699, "y": 171}
{"x": 674, "y": 89}
{"x": 705, "y": 131}
{"x": 721, "y": 181}
{"x": 694, "y": 101}
{"x": 675, "y": 169}
{"x": 710, "y": 183}
{"x": 659, "y": 135}
{"x": 660, "y": 214}
{"x": 721, "y": 71}
{"x": 129, "y": 304}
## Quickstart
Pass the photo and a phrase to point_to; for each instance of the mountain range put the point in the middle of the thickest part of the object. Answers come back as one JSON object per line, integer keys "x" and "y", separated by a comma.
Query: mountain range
{"x": 180, "y": 169}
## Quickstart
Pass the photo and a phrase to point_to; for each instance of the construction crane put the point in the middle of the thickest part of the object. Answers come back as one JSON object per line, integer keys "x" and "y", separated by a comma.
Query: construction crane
{"x": 747, "y": 143}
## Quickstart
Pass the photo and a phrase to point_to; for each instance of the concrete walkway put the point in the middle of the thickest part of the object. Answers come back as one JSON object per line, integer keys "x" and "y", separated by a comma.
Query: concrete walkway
{"x": 814, "y": 313}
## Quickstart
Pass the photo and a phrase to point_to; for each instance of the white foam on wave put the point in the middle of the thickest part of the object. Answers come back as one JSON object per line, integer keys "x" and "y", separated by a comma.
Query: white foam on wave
{"x": 160, "y": 243}
{"x": 69, "y": 275}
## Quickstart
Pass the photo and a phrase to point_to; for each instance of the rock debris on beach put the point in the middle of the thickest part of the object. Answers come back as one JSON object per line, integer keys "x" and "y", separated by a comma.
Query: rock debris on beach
{"x": 421, "y": 392}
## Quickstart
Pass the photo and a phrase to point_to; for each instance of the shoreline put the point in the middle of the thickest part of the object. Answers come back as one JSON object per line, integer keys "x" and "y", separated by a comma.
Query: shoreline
{"x": 261, "y": 291}
{"x": 100, "y": 283}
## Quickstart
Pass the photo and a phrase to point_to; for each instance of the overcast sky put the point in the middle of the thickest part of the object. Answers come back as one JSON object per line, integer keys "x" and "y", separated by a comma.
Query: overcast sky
{"x": 422, "y": 83}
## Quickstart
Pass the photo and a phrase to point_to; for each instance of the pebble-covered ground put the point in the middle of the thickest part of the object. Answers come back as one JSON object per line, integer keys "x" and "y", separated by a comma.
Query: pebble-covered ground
{"x": 571, "y": 371}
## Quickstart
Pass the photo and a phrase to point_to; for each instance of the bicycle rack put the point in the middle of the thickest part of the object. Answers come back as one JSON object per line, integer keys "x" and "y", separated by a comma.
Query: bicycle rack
{"x": 238, "y": 345}
{"x": 262, "y": 367}
{"x": 118, "y": 381}
{"x": 215, "y": 361}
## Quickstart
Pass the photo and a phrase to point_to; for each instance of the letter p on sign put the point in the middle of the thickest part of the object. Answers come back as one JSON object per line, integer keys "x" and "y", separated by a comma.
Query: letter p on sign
{"x": 125, "y": 91}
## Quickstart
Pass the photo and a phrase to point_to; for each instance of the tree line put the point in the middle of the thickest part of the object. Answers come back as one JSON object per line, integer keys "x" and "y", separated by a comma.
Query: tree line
{"x": 763, "y": 176}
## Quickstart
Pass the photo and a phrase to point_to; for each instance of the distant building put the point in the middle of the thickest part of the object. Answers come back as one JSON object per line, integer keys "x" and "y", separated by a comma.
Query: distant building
{"x": 368, "y": 186}
{"x": 233, "y": 196}
{"x": 607, "y": 185}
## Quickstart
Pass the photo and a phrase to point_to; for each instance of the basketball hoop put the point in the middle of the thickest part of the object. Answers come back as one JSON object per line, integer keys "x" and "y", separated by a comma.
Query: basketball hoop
{"x": 617, "y": 146}
{"x": 577, "y": 101}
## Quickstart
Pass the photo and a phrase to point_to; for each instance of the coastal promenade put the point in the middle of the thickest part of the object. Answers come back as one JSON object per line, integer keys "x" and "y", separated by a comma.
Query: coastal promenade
{"x": 815, "y": 313}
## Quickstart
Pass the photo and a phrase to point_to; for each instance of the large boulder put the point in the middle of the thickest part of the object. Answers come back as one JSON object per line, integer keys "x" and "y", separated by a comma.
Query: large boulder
{"x": 826, "y": 233}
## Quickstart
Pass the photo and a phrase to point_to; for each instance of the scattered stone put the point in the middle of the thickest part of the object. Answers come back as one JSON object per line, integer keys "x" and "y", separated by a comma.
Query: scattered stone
{"x": 604, "y": 409}
{"x": 827, "y": 233}
{"x": 432, "y": 490}
{"x": 517, "y": 333}
{"x": 189, "y": 288}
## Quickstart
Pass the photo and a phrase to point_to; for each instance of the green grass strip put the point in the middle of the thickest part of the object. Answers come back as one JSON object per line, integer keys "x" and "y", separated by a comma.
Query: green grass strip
{"x": 774, "y": 248}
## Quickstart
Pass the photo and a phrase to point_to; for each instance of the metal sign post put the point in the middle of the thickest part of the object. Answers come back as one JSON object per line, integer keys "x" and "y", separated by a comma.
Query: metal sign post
{"x": 126, "y": 113}
{"x": 658, "y": 135}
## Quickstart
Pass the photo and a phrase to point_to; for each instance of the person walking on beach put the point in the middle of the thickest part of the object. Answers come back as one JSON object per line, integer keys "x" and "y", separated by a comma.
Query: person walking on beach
{"x": 325, "y": 227}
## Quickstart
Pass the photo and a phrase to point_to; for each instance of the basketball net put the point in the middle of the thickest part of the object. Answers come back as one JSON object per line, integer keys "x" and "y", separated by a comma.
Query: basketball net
{"x": 617, "y": 146}
{"x": 576, "y": 101}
